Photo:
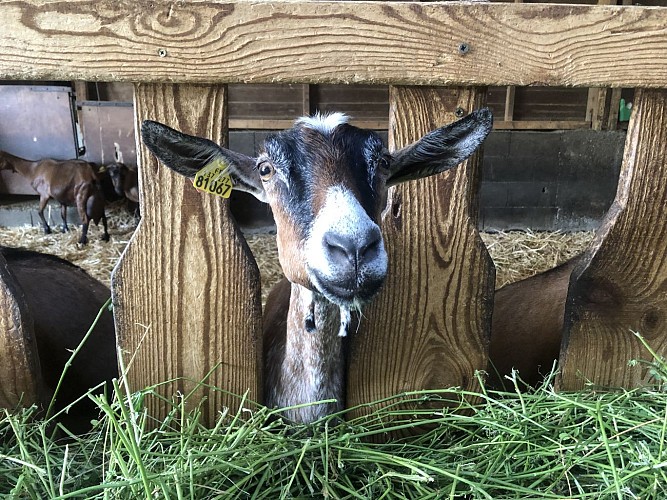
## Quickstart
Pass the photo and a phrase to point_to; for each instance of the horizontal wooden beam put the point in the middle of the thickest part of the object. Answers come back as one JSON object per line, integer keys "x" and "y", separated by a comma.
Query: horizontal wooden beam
{"x": 276, "y": 124}
{"x": 334, "y": 42}
{"x": 540, "y": 125}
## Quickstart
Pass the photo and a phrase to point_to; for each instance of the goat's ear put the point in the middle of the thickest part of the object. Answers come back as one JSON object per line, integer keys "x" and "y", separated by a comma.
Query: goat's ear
{"x": 187, "y": 154}
{"x": 441, "y": 149}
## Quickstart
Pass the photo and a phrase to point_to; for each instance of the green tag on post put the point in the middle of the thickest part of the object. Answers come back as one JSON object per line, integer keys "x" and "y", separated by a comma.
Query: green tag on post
{"x": 213, "y": 179}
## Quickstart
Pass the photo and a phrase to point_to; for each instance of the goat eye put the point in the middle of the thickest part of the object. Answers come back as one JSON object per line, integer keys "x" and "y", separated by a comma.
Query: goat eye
{"x": 383, "y": 163}
{"x": 266, "y": 170}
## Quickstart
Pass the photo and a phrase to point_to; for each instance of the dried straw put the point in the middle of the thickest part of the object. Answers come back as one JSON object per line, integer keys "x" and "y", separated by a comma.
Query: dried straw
{"x": 516, "y": 254}
{"x": 520, "y": 254}
{"x": 98, "y": 258}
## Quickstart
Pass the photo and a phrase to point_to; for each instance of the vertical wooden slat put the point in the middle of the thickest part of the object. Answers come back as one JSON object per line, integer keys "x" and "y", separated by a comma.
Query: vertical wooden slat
{"x": 428, "y": 328}
{"x": 622, "y": 285}
{"x": 596, "y": 108}
{"x": 510, "y": 93}
{"x": 307, "y": 102}
{"x": 20, "y": 378}
{"x": 186, "y": 291}
{"x": 612, "y": 117}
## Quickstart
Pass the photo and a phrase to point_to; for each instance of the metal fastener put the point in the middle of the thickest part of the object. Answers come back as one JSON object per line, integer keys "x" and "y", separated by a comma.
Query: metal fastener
{"x": 464, "y": 48}
{"x": 460, "y": 112}
{"x": 162, "y": 52}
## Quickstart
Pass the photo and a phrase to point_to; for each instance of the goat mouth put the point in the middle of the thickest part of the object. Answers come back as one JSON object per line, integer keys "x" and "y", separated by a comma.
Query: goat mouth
{"x": 346, "y": 293}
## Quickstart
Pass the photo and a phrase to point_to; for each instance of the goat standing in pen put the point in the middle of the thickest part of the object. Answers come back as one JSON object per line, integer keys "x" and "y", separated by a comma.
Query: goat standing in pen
{"x": 69, "y": 182}
{"x": 326, "y": 182}
{"x": 125, "y": 180}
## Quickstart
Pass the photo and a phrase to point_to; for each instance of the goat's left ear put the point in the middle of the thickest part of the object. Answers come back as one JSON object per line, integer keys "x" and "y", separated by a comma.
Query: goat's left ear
{"x": 187, "y": 154}
{"x": 441, "y": 149}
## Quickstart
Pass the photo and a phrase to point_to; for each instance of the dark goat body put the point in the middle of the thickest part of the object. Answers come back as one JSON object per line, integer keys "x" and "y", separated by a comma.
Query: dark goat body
{"x": 71, "y": 183}
{"x": 63, "y": 302}
{"x": 125, "y": 180}
{"x": 527, "y": 326}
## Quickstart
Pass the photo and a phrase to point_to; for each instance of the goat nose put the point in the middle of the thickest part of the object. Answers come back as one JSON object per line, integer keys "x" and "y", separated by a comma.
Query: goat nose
{"x": 345, "y": 250}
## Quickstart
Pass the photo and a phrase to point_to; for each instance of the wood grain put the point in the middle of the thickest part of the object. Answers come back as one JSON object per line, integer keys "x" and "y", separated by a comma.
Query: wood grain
{"x": 186, "y": 291}
{"x": 622, "y": 285}
{"x": 429, "y": 327}
{"x": 20, "y": 378}
{"x": 401, "y": 43}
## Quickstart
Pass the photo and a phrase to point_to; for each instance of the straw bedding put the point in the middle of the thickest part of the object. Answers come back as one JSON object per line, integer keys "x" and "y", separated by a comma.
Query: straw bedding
{"x": 97, "y": 257}
{"x": 516, "y": 254}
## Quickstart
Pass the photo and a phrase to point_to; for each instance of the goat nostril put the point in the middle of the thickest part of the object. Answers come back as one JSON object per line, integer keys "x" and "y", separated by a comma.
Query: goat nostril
{"x": 370, "y": 249}
{"x": 340, "y": 248}
{"x": 345, "y": 250}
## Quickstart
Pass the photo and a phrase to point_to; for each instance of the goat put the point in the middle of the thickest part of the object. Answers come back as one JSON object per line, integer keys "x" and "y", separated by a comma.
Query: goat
{"x": 326, "y": 182}
{"x": 125, "y": 180}
{"x": 527, "y": 326}
{"x": 69, "y": 182}
{"x": 63, "y": 301}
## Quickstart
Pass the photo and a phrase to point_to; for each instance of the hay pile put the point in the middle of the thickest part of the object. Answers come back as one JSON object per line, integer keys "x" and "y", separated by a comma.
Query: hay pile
{"x": 98, "y": 258}
{"x": 516, "y": 254}
{"x": 520, "y": 254}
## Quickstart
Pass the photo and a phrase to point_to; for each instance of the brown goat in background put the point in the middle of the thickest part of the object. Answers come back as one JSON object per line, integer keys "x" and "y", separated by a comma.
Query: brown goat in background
{"x": 71, "y": 183}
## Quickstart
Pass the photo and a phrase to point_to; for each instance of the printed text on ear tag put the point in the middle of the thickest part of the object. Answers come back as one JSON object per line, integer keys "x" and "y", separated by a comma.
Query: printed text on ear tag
{"x": 213, "y": 179}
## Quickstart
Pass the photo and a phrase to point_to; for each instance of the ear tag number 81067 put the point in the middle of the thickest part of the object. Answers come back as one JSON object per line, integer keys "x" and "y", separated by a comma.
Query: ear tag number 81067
{"x": 213, "y": 179}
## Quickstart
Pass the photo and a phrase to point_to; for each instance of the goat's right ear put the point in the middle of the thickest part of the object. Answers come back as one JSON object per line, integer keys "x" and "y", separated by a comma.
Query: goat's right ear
{"x": 187, "y": 154}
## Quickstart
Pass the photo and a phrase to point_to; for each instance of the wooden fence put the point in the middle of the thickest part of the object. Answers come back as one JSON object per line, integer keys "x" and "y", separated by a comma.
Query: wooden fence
{"x": 186, "y": 292}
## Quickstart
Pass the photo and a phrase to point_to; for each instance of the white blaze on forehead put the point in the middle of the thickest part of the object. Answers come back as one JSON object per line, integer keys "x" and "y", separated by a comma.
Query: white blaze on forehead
{"x": 324, "y": 123}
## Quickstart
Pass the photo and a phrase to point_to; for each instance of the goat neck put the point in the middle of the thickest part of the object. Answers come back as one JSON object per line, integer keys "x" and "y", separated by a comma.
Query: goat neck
{"x": 305, "y": 357}
{"x": 20, "y": 165}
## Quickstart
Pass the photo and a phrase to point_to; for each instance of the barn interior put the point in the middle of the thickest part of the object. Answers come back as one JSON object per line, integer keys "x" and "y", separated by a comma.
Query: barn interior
{"x": 549, "y": 173}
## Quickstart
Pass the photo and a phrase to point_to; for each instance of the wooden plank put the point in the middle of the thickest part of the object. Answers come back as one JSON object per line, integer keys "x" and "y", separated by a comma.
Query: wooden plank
{"x": 594, "y": 109}
{"x": 540, "y": 125}
{"x": 429, "y": 327}
{"x": 81, "y": 91}
{"x": 260, "y": 124}
{"x": 197, "y": 308}
{"x": 402, "y": 43}
{"x": 614, "y": 104}
{"x": 621, "y": 287}
{"x": 20, "y": 378}
{"x": 308, "y": 104}
{"x": 510, "y": 94}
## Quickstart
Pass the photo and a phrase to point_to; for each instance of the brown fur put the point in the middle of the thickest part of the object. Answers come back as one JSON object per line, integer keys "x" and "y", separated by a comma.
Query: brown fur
{"x": 527, "y": 326}
{"x": 125, "y": 181}
{"x": 304, "y": 366}
{"x": 63, "y": 301}
{"x": 71, "y": 183}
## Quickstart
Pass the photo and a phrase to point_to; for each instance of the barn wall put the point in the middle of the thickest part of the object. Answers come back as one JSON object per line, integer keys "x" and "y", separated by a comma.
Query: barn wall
{"x": 35, "y": 123}
{"x": 549, "y": 180}
{"x": 540, "y": 180}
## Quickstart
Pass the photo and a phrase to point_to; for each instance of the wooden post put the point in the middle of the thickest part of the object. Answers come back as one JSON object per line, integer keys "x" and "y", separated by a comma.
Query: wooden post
{"x": 596, "y": 108}
{"x": 20, "y": 377}
{"x": 622, "y": 285}
{"x": 429, "y": 327}
{"x": 186, "y": 292}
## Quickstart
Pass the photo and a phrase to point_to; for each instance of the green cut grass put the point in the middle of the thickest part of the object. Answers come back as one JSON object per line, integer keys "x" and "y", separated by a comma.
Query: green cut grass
{"x": 543, "y": 444}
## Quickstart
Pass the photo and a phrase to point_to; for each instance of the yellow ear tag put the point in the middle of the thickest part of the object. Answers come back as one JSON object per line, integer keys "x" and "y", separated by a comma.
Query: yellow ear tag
{"x": 213, "y": 179}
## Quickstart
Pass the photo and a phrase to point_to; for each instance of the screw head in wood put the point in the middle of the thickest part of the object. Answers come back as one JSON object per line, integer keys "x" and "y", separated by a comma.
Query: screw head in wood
{"x": 162, "y": 52}
{"x": 464, "y": 48}
{"x": 460, "y": 112}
